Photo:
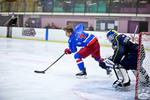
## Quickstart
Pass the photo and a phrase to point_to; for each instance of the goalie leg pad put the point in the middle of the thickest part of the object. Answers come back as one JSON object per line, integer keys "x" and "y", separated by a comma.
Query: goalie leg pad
{"x": 123, "y": 77}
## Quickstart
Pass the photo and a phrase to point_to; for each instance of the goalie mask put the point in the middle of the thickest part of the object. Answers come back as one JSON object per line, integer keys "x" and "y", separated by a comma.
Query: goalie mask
{"x": 111, "y": 35}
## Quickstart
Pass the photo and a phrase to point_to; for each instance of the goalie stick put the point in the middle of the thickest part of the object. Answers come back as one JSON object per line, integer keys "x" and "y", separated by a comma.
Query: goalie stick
{"x": 43, "y": 72}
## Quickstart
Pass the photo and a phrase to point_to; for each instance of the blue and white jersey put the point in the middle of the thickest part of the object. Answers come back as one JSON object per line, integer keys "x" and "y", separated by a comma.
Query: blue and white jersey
{"x": 80, "y": 38}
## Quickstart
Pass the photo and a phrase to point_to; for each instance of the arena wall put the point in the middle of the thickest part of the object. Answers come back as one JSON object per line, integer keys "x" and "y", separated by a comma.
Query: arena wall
{"x": 3, "y": 31}
{"x": 50, "y": 34}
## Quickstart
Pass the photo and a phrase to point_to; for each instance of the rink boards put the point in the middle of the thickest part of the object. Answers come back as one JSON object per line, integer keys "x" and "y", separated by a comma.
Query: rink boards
{"x": 52, "y": 34}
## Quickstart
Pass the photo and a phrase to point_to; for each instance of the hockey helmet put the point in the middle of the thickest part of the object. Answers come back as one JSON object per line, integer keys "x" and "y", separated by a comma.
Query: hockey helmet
{"x": 111, "y": 34}
{"x": 79, "y": 28}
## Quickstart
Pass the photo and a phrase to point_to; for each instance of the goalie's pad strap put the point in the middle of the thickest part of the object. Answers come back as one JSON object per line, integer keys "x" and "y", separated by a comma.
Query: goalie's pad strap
{"x": 122, "y": 74}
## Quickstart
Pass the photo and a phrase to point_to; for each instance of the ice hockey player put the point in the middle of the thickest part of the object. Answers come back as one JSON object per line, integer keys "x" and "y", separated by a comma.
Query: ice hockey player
{"x": 12, "y": 22}
{"x": 89, "y": 46}
{"x": 125, "y": 58}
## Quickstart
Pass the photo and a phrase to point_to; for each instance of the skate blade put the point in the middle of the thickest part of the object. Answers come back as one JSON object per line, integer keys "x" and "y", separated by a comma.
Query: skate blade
{"x": 122, "y": 89}
{"x": 82, "y": 77}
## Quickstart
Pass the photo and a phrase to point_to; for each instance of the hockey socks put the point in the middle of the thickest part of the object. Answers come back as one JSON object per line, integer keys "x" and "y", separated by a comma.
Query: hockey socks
{"x": 80, "y": 64}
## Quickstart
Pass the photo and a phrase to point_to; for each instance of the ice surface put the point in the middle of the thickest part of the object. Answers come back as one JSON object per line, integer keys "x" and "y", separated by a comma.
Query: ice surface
{"x": 20, "y": 58}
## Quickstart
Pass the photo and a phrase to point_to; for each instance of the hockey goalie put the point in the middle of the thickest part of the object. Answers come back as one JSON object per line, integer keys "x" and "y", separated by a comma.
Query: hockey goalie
{"x": 125, "y": 58}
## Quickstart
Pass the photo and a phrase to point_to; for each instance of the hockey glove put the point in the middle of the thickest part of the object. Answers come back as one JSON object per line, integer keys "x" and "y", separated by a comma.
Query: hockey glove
{"x": 102, "y": 64}
{"x": 67, "y": 51}
{"x": 107, "y": 68}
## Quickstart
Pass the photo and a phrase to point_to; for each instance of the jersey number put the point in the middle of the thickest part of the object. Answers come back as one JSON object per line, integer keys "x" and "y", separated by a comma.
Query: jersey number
{"x": 82, "y": 36}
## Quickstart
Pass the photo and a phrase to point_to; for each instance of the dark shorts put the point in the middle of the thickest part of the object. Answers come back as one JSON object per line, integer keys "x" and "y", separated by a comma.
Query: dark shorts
{"x": 93, "y": 49}
{"x": 129, "y": 61}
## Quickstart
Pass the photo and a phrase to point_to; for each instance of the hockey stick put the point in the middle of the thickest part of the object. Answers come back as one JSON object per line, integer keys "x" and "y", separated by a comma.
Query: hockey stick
{"x": 43, "y": 72}
{"x": 115, "y": 72}
{"x": 135, "y": 31}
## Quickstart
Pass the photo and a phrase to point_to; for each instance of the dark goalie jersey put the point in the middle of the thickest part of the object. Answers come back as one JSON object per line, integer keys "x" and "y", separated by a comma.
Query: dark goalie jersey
{"x": 124, "y": 47}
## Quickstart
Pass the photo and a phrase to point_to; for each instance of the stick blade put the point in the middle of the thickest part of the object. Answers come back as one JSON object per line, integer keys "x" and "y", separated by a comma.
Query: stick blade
{"x": 42, "y": 72}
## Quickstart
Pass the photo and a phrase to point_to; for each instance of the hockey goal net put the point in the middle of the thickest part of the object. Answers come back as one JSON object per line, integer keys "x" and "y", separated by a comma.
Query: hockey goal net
{"x": 142, "y": 90}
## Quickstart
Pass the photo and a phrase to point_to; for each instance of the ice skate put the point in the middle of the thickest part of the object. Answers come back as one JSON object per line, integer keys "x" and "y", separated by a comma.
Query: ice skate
{"x": 119, "y": 85}
{"x": 82, "y": 74}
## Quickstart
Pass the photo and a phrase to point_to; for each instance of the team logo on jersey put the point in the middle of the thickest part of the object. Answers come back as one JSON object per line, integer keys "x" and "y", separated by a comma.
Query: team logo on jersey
{"x": 126, "y": 39}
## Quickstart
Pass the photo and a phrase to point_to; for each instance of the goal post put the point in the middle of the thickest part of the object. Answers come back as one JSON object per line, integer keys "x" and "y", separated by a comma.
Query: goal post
{"x": 142, "y": 88}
